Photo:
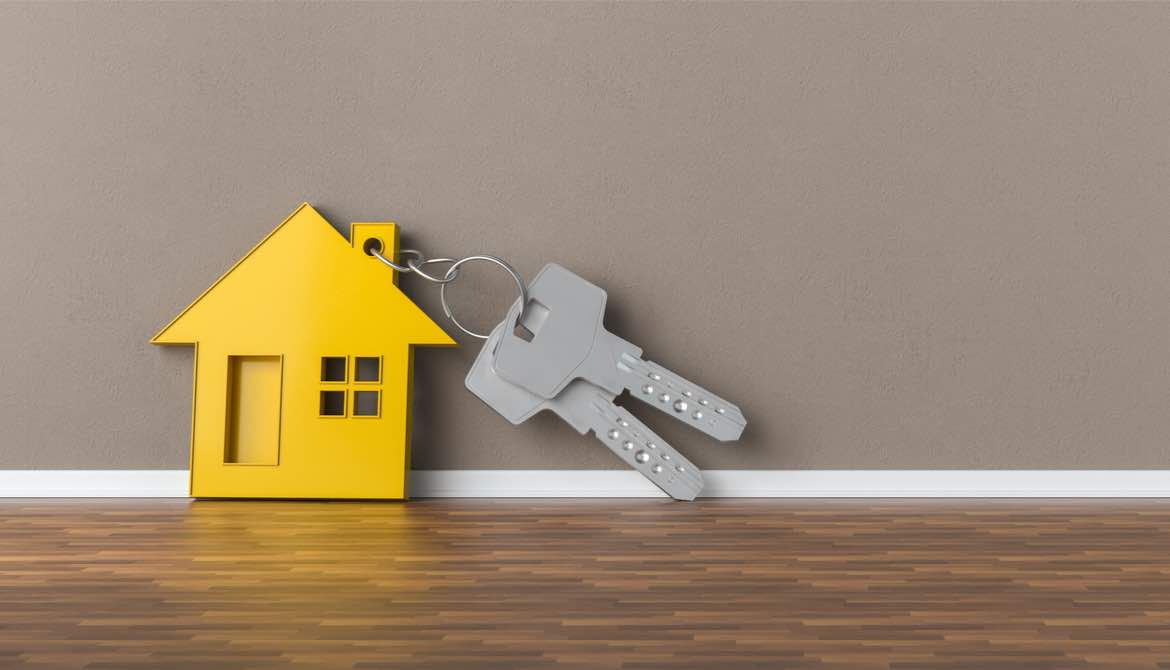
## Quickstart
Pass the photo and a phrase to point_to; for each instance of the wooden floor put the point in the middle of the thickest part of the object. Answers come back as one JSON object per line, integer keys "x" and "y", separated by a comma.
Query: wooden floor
{"x": 716, "y": 585}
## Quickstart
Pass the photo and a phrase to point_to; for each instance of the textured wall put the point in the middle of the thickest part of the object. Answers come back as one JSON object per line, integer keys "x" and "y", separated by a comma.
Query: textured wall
{"x": 901, "y": 236}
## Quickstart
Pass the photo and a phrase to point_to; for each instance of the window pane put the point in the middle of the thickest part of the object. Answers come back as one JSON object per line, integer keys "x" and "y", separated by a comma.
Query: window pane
{"x": 333, "y": 368}
{"x": 365, "y": 403}
{"x": 367, "y": 369}
{"x": 332, "y": 403}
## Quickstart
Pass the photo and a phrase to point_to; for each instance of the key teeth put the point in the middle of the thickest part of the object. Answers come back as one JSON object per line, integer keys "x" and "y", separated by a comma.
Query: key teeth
{"x": 630, "y": 439}
{"x": 685, "y": 401}
{"x": 590, "y": 409}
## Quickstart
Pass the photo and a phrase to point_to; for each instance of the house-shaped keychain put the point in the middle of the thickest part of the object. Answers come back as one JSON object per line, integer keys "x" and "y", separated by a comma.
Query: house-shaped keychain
{"x": 303, "y": 357}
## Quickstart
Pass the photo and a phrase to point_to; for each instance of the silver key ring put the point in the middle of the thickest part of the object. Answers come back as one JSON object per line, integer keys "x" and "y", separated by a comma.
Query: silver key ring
{"x": 417, "y": 268}
{"x": 453, "y": 271}
{"x": 414, "y": 263}
{"x": 377, "y": 253}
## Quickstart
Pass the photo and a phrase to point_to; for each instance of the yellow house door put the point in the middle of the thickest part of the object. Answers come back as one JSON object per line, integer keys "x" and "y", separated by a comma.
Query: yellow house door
{"x": 253, "y": 431}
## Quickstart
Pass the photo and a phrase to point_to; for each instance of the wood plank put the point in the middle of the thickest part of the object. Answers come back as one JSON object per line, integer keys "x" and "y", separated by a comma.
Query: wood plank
{"x": 722, "y": 584}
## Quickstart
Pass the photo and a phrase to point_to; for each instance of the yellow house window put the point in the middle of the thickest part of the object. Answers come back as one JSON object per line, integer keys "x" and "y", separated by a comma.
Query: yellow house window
{"x": 351, "y": 386}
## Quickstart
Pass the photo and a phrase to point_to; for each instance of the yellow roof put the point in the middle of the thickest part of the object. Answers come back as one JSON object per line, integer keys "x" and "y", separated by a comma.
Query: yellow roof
{"x": 305, "y": 278}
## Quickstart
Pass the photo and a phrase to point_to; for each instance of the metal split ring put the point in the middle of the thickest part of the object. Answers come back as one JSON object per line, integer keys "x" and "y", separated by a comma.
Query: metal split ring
{"x": 417, "y": 266}
{"x": 453, "y": 271}
{"x": 377, "y": 253}
{"x": 416, "y": 261}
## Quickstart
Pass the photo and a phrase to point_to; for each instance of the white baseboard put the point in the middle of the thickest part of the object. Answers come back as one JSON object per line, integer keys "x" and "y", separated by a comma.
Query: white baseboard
{"x": 94, "y": 483}
{"x": 629, "y": 484}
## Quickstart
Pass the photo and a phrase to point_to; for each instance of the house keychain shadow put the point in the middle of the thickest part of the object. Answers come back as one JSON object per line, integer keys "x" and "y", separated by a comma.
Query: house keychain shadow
{"x": 303, "y": 359}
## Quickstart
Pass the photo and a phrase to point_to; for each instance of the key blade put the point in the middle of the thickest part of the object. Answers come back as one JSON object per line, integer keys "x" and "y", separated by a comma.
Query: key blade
{"x": 587, "y": 407}
{"x": 582, "y": 404}
{"x": 684, "y": 400}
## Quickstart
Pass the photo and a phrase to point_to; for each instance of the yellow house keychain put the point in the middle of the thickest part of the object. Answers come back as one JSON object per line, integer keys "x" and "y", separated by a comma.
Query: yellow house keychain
{"x": 303, "y": 359}
{"x": 303, "y": 356}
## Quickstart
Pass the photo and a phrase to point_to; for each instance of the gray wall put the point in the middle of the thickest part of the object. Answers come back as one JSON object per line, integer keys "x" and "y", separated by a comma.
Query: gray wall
{"x": 901, "y": 236}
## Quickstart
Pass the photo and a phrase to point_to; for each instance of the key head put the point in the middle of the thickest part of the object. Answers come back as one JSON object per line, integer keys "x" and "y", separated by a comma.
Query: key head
{"x": 564, "y": 318}
{"x": 510, "y": 401}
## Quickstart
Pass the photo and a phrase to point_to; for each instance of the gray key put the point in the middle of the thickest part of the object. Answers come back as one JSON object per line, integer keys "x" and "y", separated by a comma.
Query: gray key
{"x": 562, "y": 338}
{"x": 587, "y": 407}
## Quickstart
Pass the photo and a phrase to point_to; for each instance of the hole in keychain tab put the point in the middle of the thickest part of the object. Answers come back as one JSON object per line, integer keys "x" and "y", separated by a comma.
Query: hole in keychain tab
{"x": 371, "y": 245}
{"x": 535, "y": 314}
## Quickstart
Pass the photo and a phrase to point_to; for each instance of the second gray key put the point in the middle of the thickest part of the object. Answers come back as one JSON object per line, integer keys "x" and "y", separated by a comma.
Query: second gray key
{"x": 587, "y": 407}
{"x": 562, "y": 337}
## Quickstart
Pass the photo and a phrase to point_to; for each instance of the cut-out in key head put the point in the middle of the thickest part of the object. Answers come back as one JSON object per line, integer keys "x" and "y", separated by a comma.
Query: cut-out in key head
{"x": 563, "y": 328}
